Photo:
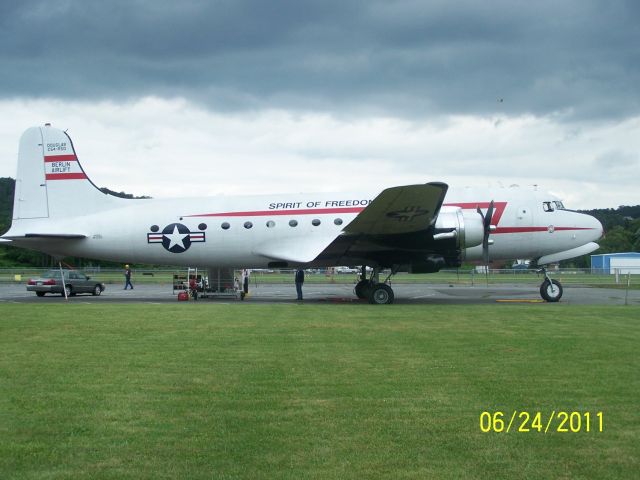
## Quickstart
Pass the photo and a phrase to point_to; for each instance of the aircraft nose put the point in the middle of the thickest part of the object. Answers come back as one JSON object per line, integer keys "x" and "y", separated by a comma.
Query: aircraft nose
{"x": 596, "y": 227}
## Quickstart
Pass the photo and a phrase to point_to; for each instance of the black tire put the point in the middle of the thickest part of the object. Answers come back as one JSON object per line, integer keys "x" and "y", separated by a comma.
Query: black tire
{"x": 551, "y": 291}
{"x": 362, "y": 289}
{"x": 97, "y": 290}
{"x": 69, "y": 290}
{"x": 40, "y": 294}
{"x": 381, "y": 294}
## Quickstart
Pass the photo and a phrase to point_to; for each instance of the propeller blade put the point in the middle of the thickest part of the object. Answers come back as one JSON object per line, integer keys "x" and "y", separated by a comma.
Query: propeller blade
{"x": 488, "y": 217}
{"x": 486, "y": 221}
{"x": 485, "y": 250}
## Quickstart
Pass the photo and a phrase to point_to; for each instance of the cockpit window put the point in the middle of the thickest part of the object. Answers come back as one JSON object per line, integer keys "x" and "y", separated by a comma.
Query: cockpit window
{"x": 552, "y": 206}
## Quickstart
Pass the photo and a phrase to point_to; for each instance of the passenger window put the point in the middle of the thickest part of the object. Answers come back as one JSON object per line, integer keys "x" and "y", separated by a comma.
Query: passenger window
{"x": 271, "y": 224}
{"x": 293, "y": 223}
{"x": 315, "y": 222}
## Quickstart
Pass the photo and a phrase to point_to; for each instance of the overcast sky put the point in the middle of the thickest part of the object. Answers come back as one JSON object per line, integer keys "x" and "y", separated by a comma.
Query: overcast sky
{"x": 247, "y": 96}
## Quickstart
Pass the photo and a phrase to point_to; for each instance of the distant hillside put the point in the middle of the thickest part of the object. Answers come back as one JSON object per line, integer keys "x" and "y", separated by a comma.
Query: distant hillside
{"x": 121, "y": 194}
{"x": 7, "y": 186}
{"x": 621, "y": 230}
{"x": 611, "y": 218}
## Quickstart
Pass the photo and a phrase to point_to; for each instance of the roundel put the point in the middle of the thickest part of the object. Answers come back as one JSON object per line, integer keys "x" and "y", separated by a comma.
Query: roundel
{"x": 176, "y": 238}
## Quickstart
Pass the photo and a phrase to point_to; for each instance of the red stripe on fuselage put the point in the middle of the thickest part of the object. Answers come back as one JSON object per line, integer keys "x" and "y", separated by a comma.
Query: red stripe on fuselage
{"x": 499, "y": 210}
{"x": 499, "y": 207}
{"x": 269, "y": 213}
{"x": 534, "y": 229}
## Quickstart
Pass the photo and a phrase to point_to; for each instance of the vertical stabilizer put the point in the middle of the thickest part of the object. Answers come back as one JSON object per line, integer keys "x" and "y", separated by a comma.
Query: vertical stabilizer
{"x": 50, "y": 182}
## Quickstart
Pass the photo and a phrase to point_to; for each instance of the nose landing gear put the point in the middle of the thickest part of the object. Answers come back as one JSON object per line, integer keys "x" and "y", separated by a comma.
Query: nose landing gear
{"x": 550, "y": 290}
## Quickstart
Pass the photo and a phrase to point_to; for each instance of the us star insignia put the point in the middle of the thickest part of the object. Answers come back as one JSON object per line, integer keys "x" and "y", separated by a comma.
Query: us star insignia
{"x": 175, "y": 237}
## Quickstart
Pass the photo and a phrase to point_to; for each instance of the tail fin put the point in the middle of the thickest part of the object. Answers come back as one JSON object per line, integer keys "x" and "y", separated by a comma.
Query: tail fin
{"x": 50, "y": 182}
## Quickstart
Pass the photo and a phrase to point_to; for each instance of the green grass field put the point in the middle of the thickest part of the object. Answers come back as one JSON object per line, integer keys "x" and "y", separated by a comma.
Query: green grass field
{"x": 306, "y": 391}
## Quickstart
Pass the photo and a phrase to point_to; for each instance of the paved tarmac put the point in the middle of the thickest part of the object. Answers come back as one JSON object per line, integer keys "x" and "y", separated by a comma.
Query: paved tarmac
{"x": 420, "y": 294}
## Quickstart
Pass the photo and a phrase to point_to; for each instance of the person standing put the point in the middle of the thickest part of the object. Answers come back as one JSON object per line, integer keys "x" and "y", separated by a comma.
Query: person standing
{"x": 127, "y": 277}
{"x": 299, "y": 282}
{"x": 245, "y": 284}
{"x": 193, "y": 287}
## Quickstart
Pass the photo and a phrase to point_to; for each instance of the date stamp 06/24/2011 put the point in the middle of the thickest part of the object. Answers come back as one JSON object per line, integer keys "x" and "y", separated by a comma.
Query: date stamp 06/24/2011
{"x": 524, "y": 421}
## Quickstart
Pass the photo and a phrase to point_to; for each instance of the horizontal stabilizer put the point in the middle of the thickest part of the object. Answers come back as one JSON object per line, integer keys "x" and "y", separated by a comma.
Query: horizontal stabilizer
{"x": 55, "y": 235}
{"x": 61, "y": 236}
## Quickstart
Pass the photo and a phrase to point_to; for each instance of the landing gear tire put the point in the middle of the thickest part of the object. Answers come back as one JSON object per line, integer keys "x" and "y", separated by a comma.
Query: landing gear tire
{"x": 362, "y": 289}
{"x": 551, "y": 290}
{"x": 380, "y": 294}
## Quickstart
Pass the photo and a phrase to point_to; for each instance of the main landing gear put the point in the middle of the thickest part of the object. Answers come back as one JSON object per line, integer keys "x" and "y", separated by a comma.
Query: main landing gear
{"x": 380, "y": 293}
{"x": 550, "y": 290}
{"x": 370, "y": 288}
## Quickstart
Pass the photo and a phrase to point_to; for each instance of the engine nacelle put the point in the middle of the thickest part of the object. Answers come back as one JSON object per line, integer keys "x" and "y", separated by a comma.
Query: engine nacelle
{"x": 466, "y": 226}
{"x": 454, "y": 232}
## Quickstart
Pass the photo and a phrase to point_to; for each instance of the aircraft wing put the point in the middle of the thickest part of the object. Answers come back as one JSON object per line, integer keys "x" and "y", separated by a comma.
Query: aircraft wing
{"x": 389, "y": 227}
{"x": 399, "y": 210}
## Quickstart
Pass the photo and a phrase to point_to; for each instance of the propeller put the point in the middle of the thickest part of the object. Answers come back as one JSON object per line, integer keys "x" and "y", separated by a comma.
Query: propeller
{"x": 488, "y": 228}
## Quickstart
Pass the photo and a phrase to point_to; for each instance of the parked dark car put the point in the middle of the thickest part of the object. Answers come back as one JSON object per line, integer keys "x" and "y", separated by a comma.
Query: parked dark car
{"x": 74, "y": 282}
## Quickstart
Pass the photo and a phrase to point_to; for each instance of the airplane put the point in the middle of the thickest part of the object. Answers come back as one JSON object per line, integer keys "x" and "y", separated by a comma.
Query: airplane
{"x": 419, "y": 228}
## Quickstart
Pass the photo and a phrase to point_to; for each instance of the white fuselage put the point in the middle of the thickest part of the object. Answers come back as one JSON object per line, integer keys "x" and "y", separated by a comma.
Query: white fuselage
{"x": 248, "y": 232}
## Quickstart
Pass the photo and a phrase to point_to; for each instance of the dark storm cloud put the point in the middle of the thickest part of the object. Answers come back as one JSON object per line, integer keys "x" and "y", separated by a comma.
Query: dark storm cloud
{"x": 577, "y": 59}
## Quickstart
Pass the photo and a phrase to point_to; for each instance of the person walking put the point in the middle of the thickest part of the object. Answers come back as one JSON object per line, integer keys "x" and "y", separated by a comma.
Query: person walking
{"x": 127, "y": 277}
{"x": 299, "y": 282}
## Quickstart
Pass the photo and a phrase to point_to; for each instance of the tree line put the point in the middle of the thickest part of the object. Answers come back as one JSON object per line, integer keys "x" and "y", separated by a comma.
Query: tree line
{"x": 622, "y": 227}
